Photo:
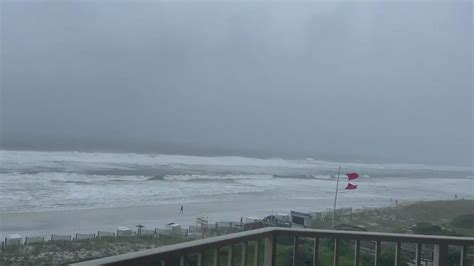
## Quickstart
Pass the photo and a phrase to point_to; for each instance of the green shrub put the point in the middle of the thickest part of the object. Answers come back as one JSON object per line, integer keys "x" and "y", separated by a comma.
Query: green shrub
{"x": 464, "y": 221}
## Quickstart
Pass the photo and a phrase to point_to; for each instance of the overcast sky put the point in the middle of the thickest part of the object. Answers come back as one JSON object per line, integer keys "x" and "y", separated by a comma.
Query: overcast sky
{"x": 349, "y": 80}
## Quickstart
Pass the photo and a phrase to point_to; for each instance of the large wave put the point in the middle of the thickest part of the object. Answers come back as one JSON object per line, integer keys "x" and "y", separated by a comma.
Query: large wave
{"x": 75, "y": 161}
{"x": 31, "y": 181}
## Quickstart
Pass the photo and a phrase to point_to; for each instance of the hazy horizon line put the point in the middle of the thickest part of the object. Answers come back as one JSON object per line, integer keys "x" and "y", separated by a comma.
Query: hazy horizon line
{"x": 211, "y": 153}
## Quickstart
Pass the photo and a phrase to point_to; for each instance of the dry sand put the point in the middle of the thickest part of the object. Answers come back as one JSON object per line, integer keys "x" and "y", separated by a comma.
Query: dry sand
{"x": 107, "y": 219}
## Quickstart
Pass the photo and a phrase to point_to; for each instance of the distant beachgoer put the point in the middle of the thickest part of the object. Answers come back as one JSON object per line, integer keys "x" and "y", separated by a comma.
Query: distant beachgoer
{"x": 396, "y": 202}
{"x": 241, "y": 220}
{"x": 456, "y": 196}
{"x": 181, "y": 211}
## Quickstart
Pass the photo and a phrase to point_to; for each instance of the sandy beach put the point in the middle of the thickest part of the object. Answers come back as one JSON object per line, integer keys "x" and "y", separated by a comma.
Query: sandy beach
{"x": 107, "y": 219}
{"x": 70, "y": 222}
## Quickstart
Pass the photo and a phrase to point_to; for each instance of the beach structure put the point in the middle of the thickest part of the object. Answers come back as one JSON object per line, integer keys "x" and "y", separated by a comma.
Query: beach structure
{"x": 284, "y": 217}
{"x": 223, "y": 224}
{"x": 84, "y": 236}
{"x": 202, "y": 222}
{"x": 163, "y": 232}
{"x": 251, "y": 219}
{"x": 62, "y": 239}
{"x": 34, "y": 240}
{"x": 300, "y": 219}
{"x": 174, "y": 229}
{"x": 123, "y": 231}
{"x": 55, "y": 237}
{"x": 251, "y": 223}
{"x": 181, "y": 232}
{"x": 147, "y": 233}
{"x": 13, "y": 240}
{"x": 139, "y": 229}
{"x": 196, "y": 231}
{"x": 173, "y": 226}
{"x": 228, "y": 226}
{"x": 101, "y": 234}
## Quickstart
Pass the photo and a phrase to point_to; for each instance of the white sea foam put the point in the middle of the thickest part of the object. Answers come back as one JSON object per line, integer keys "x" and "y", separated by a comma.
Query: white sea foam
{"x": 214, "y": 177}
{"x": 42, "y": 191}
{"x": 32, "y": 159}
{"x": 34, "y": 181}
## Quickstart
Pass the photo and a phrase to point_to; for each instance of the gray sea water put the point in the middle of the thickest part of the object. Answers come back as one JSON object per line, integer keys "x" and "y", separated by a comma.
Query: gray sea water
{"x": 41, "y": 181}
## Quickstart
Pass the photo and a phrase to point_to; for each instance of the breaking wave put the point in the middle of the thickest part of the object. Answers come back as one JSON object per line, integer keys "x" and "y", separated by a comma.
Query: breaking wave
{"x": 30, "y": 181}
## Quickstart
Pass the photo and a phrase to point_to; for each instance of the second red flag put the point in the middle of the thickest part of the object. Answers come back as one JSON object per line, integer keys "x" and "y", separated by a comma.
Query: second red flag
{"x": 351, "y": 186}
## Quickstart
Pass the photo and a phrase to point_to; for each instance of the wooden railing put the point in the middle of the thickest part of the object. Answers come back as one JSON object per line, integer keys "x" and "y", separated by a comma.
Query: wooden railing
{"x": 192, "y": 253}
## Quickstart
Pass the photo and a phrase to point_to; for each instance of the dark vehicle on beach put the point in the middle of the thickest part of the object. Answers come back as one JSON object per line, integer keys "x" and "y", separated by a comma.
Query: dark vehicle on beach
{"x": 273, "y": 220}
{"x": 255, "y": 225}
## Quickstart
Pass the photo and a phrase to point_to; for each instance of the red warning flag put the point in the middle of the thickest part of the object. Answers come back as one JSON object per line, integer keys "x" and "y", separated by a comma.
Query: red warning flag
{"x": 352, "y": 176}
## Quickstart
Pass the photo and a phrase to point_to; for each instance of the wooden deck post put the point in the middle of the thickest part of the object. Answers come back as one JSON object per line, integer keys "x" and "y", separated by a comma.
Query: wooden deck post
{"x": 295, "y": 251}
{"x": 418, "y": 254}
{"x": 270, "y": 248}
{"x": 357, "y": 253}
{"x": 398, "y": 254}
{"x": 199, "y": 259}
{"x": 440, "y": 255}
{"x": 377, "y": 253}
{"x": 216, "y": 257}
{"x": 255, "y": 253}
{"x": 463, "y": 259}
{"x": 244, "y": 254}
{"x": 316, "y": 252}
{"x": 230, "y": 256}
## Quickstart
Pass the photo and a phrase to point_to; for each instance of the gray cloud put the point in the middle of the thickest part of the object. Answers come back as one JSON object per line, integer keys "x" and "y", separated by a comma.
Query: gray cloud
{"x": 338, "y": 80}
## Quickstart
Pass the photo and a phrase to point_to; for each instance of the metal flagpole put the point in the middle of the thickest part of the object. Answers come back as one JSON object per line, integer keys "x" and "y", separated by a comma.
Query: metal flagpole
{"x": 335, "y": 197}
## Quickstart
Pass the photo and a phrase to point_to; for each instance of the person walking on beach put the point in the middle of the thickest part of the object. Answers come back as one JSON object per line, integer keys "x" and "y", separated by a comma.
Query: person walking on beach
{"x": 181, "y": 211}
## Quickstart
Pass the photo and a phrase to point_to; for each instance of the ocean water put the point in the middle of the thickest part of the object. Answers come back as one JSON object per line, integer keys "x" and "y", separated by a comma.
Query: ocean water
{"x": 41, "y": 181}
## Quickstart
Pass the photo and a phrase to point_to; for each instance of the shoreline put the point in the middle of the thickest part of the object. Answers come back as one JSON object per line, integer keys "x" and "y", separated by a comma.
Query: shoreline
{"x": 45, "y": 223}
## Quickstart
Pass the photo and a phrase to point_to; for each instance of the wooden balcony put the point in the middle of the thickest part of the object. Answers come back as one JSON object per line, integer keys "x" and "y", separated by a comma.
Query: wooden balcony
{"x": 264, "y": 242}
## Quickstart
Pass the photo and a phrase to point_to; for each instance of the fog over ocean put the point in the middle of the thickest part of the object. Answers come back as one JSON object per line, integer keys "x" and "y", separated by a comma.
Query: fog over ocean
{"x": 34, "y": 181}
